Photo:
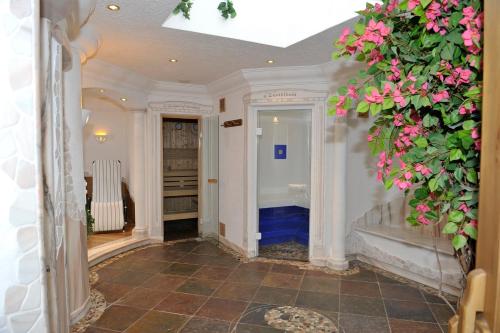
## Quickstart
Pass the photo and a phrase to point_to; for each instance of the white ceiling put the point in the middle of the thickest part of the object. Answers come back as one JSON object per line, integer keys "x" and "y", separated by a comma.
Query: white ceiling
{"x": 280, "y": 22}
{"x": 135, "y": 39}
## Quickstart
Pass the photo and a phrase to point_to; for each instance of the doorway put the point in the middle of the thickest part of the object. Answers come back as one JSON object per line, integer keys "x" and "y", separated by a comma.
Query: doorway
{"x": 181, "y": 162}
{"x": 284, "y": 183}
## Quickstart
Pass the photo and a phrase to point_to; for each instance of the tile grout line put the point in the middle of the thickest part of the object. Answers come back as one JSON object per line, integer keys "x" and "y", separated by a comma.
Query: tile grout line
{"x": 383, "y": 303}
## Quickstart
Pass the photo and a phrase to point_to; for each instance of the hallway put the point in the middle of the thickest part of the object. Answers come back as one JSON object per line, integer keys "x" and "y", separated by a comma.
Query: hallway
{"x": 194, "y": 286}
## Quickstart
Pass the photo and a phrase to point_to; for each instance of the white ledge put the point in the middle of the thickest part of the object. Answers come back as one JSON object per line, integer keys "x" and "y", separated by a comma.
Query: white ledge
{"x": 102, "y": 252}
{"x": 407, "y": 237}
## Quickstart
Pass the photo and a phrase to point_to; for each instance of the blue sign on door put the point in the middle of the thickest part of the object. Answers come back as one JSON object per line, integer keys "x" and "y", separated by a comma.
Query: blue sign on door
{"x": 280, "y": 152}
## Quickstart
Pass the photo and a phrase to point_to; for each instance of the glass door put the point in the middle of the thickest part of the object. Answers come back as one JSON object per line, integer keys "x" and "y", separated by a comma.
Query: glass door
{"x": 284, "y": 183}
{"x": 210, "y": 201}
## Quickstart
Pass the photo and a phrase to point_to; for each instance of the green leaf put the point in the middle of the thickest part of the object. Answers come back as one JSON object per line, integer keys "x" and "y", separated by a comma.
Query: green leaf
{"x": 455, "y": 154}
{"x": 359, "y": 28}
{"x": 447, "y": 52}
{"x": 421, "y": 193}
{"x": 456, "y": 216}
{"x": 450, "y": 228}
{"x": 472, "y": 176}
{"x": 388, "y": 183}
{"x": 421, "y": 142}
{"x": 425, "y": 3}
{"x": 469, "y": 124}
{"x": 459, "y": 241}
{"x": 430, "y": 121}
{"x": 470, "y": 230}
{"x": 342, "y": 90}
{"x": 433, "y": 184}
{"x": 388, "y": 103}
{"x": 362, "y": 107}
{"x": 375, "y": 108}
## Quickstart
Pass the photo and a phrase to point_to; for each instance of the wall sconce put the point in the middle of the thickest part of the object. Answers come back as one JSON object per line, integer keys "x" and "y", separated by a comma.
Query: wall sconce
{"x": 101, "y": 136}
{"x": 276, "y": 120}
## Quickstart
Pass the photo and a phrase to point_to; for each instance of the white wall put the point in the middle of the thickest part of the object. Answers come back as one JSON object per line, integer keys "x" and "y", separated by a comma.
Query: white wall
{"x": 107, "y": 115}
{"x": 363, "y": 190}
{"x": 275, "y": 175}
{"x": 231, "y": 168}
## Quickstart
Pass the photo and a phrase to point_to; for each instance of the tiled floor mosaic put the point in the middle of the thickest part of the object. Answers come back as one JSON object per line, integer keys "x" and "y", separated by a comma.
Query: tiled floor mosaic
{"x": 196, "y": 287}
{"x": 285, "y": 251}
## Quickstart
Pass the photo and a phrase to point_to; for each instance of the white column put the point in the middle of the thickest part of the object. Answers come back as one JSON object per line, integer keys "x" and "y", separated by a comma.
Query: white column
{"x": 75, "y": 229}
{"x": 137, "y": 172}
{"x": 337, "y": 259}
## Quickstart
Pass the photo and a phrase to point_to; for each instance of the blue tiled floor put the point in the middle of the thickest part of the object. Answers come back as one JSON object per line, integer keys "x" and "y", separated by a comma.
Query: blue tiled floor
{"x": 284, "y": 224}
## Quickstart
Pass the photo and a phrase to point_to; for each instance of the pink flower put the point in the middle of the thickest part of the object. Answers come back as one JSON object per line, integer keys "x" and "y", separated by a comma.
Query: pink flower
{"x": 413, "y": 3}
{"x": 369, "y": 138}
{"x": 471, "y": 38}
{"x": 401, "y": 184}
{"x": 392, "y": 5}
{"x": 351, "y": 92}
{"x": 398, "y": 119}
{"x": 375, "y": 56}
{"x": 341, "y": 112}
{"x": 422, "y": 208}
{"x": 469, "y": 14}
{"x": 475, "y": 133}
{"x": 441, "y": 95}
{"x": 423, "y": 220}
{"x": 408, "y": 175}
{"x": 411, "y": 131}
{"x": 473, "y": 223}
{"x": 463, "y": 110}
{"x": 464, "y": 208}
{"x": 374, "y": 97}
{"x": 425, "y": 171}
{"x": 477, "y": 144}
{"x": 398, "y": 98}
{"x": 343, "y": 36}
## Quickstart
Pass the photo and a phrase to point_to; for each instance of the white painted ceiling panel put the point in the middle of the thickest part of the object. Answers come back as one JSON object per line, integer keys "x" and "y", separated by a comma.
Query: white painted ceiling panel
{"x": 134, "y": 38}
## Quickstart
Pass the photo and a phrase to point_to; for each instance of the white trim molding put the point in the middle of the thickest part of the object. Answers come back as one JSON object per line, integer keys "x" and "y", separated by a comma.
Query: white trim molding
{"x": 287, "y": 99}
{"x": 154, "y": 176}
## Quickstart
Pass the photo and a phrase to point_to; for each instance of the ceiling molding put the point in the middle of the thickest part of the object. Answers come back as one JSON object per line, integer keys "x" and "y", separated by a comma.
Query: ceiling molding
{"x": 291, "y": 74}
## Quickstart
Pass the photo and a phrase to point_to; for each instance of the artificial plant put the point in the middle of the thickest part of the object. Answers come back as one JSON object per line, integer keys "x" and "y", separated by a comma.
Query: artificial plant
{"x": 226, "y": 8}
{"x": 422, "y": 86}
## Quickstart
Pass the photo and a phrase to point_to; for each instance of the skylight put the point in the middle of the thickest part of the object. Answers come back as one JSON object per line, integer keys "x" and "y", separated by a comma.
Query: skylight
{"x": 272, "y": 22}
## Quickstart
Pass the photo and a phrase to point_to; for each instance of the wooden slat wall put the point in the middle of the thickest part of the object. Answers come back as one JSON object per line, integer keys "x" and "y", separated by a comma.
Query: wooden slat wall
{"x": 488, "y": 245}
{"x": 180, "y": 165}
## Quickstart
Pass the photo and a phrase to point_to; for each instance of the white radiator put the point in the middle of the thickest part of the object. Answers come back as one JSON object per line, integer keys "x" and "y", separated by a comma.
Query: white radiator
{"x": 107, "y": 202}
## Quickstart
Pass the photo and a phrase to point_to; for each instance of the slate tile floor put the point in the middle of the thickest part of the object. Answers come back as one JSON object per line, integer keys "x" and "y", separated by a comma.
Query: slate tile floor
{"x": 196, "y": 287}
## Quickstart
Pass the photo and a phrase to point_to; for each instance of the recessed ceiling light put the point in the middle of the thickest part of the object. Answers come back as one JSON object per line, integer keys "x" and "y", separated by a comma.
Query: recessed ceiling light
{"x": 172, "y": 60}
{"x": 113, "y": 7}
{"x": 270, "y": 61}
{"x": 123, "y": 99}
{"x": 101, "y": 91}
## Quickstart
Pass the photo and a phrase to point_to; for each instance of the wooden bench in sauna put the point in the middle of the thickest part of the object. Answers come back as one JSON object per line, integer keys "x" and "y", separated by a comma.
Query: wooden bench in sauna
{"x": 180, "y": 183}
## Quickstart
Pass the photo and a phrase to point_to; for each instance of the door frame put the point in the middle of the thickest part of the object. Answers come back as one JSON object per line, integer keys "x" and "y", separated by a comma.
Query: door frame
{"x": 153, "y": 163}
{"x": 199, "y": 165}
{"x": 255, "y": 162}
{"x": 314, "y": 101}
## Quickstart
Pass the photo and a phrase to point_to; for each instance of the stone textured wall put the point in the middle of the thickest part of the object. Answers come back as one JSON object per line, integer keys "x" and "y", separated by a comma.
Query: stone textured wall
{"x": 21, "y": 305}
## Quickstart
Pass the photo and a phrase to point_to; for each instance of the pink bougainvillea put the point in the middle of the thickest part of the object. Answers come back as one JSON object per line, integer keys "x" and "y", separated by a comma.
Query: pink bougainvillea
{"x": 423, "y": 87}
